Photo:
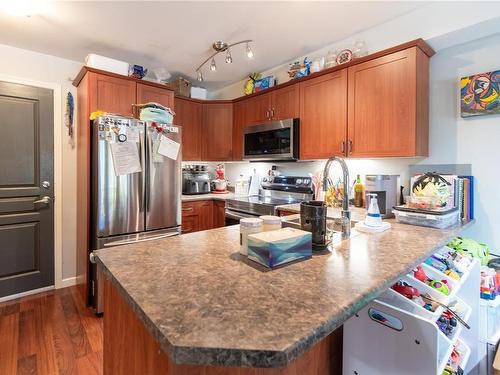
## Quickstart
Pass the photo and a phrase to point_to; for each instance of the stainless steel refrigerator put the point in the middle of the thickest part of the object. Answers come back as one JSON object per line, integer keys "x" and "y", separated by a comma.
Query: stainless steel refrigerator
{"x": 136, "y": 185}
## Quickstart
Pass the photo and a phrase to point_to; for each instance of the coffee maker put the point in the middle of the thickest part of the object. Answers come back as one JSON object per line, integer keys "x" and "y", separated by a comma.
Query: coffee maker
{"x": 386, "y": 188}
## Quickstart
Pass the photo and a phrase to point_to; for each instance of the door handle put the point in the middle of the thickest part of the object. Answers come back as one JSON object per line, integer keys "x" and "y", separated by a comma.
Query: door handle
{"x": 44, "y": 200}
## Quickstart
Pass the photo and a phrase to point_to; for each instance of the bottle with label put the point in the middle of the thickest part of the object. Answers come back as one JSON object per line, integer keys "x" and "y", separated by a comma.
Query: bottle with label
{"x": 358, "y": 192}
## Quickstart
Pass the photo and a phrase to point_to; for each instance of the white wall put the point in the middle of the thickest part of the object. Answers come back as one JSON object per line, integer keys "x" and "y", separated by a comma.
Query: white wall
{"x": 473, "y": 141}
{"x": 28, "y": 65}
{"x": 438, "y": 23}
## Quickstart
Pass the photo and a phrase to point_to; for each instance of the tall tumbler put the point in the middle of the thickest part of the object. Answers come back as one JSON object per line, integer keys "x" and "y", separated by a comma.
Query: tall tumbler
{"x": 313, "y": 219}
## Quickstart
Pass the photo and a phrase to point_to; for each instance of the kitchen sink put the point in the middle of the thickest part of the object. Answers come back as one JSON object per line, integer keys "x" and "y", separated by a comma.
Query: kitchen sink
{"x": 333, "y": 227}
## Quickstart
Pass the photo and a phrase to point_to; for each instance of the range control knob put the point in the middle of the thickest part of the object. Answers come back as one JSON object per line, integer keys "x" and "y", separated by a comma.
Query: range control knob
{"x": 299, "y": 181}
{"x": 264, "y": 179}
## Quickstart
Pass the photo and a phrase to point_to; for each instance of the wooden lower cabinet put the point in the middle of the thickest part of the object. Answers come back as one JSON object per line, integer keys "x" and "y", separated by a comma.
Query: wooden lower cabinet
{"x": 202, "y": 215}
{"x": 219, "y": 214}
{"x": 129, "y": 348}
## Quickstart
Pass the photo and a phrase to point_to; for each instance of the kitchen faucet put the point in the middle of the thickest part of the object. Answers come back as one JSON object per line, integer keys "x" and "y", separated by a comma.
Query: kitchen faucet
{"x": 346, "y": 213}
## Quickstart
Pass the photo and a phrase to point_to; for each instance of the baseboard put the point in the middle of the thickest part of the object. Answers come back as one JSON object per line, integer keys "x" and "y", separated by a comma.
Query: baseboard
{"x": 28, "y": 293}
{"x": 70, "y": 281}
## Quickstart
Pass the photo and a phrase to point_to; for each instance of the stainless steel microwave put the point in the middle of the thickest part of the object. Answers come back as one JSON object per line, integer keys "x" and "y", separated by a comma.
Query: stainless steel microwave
{"x": 277, "y": 140}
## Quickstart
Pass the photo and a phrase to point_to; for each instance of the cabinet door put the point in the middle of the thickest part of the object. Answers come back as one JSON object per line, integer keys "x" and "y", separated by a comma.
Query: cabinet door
{"x": 217, "y": 131}
{"x": 146, "y": 93}
{"x": 219, "y": 214}
{"x": 323, "y": 116}
{"x": 204, "y": 209}
{"x": 190, "y": 224}
{"x": 111, "y": 94}
{"x": 382, "y": 106}
{"x": 285, "y": 102}
{"x": 238, "y": 124}
{"x": 188, "y": 115}
{"x": 257, "y": 109}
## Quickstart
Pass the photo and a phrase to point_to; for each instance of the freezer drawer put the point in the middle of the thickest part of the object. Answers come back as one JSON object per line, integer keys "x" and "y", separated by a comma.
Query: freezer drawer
{"x": 163, "y": 183}
{"x": 118, "y": 201}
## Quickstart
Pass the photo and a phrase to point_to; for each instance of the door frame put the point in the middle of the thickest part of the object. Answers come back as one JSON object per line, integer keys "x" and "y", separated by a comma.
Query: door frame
{"x": 58, "y": 149}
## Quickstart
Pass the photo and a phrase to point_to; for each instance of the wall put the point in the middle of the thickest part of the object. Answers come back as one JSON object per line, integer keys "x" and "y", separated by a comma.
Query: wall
{"x": 472, "y": 141}
{"x": 27, "y": 65}
{"x": 453, "y": 140}
{"x": 438, "y": 23}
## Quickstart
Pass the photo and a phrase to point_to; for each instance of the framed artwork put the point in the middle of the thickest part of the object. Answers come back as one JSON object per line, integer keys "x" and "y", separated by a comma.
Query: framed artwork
{"x": 479, "y": 94}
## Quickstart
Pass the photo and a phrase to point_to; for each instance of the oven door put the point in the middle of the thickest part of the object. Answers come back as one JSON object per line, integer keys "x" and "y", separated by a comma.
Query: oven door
{"x": 233, "y": 217}
{"x": 278, "y": 140}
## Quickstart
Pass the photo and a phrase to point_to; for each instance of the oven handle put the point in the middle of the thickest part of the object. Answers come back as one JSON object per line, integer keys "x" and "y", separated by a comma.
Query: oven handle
{"x": 238, "y": 215}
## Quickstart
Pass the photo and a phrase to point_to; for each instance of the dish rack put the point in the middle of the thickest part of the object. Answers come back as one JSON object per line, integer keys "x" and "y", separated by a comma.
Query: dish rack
{"x": 393, "y": 335}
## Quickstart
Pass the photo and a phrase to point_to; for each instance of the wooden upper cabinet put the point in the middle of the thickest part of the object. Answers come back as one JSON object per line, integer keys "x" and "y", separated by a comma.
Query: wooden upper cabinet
{"x": 146, "y": 93}
{"x": 238, "y": 125}
{"x": 323, "y": 115}
{"x": 285, "y": 102}
{"x": 110, "y": 94}
{"x": 388, "y": 105}
{"x": 188, "y": 115}
{"x": 217, "y": 132}
{"x": 257, "y": 109}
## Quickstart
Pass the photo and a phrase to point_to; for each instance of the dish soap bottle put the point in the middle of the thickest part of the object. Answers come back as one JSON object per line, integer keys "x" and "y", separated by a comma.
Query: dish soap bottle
{"x": 373, "y": 217}
{"x": 358, "y": 192}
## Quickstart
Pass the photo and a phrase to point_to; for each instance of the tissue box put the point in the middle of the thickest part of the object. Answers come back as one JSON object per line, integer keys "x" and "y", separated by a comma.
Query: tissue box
{"x": 277, "y": 247}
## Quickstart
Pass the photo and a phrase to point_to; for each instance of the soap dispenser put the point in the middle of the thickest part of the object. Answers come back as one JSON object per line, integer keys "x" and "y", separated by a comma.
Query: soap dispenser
{"x": 373, "y": 217}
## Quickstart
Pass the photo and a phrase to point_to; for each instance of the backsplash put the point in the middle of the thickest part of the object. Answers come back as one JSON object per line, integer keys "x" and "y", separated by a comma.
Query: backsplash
{"x": 395, "y": 166}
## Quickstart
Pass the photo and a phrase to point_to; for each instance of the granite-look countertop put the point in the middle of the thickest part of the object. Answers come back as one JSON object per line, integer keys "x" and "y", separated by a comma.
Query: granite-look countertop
{"x": 206, "y": 197}
{"x": 207, "y": 305}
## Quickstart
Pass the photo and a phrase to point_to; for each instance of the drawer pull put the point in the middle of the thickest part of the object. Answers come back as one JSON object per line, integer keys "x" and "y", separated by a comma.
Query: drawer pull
{"x": 185, "y": 209}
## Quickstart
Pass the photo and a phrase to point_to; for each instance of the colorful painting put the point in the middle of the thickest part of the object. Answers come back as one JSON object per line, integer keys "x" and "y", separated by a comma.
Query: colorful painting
{"x": 479, "y": 94}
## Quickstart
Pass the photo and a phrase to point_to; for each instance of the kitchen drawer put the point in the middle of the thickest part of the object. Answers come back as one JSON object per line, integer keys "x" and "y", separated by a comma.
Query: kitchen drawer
{"x": 197, "y": 216}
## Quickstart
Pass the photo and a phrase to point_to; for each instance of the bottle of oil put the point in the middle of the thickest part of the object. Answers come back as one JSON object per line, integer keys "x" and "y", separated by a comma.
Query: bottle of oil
{"x": 358, "y": 192}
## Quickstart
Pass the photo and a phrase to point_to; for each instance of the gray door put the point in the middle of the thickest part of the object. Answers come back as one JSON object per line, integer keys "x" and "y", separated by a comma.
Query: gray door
{"x": 26, "y": 188}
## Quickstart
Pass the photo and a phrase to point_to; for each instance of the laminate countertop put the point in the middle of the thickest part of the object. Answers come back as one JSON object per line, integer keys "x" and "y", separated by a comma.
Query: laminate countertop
{"x": 206, "y": 197}
{"x": 205, "y": 304}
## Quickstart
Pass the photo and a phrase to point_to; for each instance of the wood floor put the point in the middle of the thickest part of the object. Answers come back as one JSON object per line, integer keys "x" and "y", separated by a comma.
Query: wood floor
{"x": 50, "y": 333}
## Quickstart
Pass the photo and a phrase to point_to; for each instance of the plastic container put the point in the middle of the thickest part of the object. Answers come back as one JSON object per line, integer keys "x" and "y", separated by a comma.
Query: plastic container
{"x": 198, "y": 93}
{"x": 105, "y": 63}
{"x": 427, "y": 220}
{"x": 249, "y": 226}
{"x": 489, "y": 320}
{"x": 270, "y": 222}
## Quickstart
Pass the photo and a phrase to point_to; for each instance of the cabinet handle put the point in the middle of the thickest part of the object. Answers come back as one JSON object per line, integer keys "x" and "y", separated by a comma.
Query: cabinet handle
{"x": 343, "y": 147}
{"x": 350, "y": 146}
{"x": 272, "y": 112}
{"x": 187, "y": 209}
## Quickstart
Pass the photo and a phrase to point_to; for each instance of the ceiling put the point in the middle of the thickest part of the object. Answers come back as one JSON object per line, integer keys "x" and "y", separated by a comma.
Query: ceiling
{"x": 178, "y": 35}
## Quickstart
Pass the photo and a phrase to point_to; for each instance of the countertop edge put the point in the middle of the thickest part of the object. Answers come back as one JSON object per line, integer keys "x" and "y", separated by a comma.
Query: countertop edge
{"x": 264, "y": 358}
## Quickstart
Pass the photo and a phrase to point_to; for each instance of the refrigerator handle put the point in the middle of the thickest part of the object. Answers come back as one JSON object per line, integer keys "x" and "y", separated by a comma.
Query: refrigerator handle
{"x": 147, "y": 164}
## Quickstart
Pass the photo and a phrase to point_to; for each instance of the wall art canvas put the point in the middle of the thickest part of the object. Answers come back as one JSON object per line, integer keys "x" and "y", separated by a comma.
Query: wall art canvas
{"x": 479, "y": 94}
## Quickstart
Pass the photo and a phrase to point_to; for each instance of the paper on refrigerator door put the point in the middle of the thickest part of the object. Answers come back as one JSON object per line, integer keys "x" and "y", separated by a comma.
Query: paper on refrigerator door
{"x": 132, "y": 134}
{"x": 125, "y": 158}
{"x": 169, "y": 148}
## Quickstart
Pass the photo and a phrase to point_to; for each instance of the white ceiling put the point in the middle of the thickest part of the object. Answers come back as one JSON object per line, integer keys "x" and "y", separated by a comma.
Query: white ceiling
{"x": 178, "y": 35}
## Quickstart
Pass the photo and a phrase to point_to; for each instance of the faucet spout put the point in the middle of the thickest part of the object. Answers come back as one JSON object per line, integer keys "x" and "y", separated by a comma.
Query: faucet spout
{"x": 346, "y": 213}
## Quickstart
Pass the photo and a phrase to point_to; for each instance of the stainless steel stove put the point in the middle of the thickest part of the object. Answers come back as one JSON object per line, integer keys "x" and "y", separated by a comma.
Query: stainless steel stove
{"x": 275, "y": 191}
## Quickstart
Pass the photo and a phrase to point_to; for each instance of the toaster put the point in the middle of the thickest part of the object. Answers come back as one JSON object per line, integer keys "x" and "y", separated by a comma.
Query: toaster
{"x": 195, "y": 182}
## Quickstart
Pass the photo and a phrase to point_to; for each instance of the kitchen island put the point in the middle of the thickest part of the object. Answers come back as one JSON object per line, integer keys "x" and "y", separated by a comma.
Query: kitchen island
{"x": 191, "y": 304}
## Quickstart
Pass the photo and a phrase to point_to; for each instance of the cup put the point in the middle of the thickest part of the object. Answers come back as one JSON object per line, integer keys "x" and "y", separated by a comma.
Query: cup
{"x": 313, "y": 219}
